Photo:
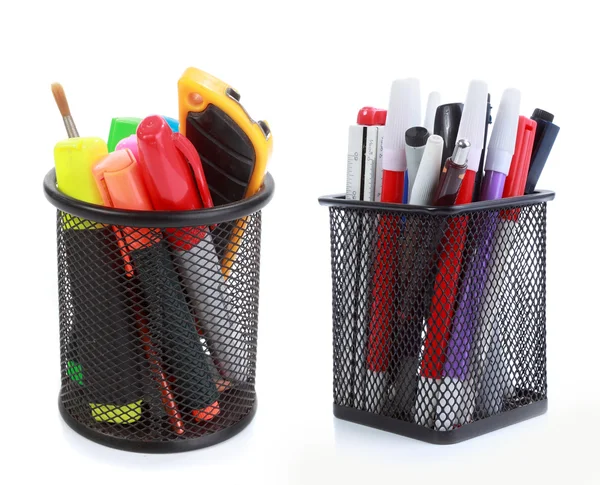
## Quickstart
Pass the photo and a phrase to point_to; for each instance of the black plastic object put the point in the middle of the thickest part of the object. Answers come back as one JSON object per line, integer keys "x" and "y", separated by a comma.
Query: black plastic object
{"x": 480, "y": 169}
{"x": 396, "y": 366}
{"x": 139, "y": 369}
{"x": 227, "y": 154}
{"x": 545, "y": 136}
{"x": 416, "y": 136}
{"x": 446, "y": 123}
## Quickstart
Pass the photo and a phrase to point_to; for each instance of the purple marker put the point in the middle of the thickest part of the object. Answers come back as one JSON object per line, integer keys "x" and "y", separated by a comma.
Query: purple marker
{"x": 456, "y": 400}
{"x": 502, "y": 145}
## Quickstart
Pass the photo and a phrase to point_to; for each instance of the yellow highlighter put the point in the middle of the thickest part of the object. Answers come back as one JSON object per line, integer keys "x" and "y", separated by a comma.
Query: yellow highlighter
{"x": 234, "y": 149}
{"x": 73, "y": 161}
{"x": 100, "y": 352}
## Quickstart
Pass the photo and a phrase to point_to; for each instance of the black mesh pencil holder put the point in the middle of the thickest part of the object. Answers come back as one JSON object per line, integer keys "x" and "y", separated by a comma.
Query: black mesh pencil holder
{"x": 439, "y": 315}
{"x": 158, "y": 320}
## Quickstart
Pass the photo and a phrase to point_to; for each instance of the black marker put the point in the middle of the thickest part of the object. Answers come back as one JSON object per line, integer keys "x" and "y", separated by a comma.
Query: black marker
{"x": 545, "y": 135}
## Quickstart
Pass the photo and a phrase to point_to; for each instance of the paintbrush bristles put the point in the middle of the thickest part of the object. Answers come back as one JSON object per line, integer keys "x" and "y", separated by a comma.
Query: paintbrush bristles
{"x": 63, "y": 106}
{"x": 61, "y": 99}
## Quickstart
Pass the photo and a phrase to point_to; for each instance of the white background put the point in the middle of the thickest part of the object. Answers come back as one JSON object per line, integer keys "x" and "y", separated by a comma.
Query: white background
{"x": 306, "y": 67}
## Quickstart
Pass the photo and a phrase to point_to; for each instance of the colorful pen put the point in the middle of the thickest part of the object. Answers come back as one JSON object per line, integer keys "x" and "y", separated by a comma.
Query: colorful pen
{"x": 445, "y": 287}
{"x": 174, "y": 176}
{"x": 456, "y": 402}
{"x": 110, "y": 383}
{"x": 185, "y": 360}
{"x": 403, "y": 112}
{"x": 492, "y": 388}
{"x": 119, "y": 182}
{"x": 502, "y": 146}
{"x": 121, "y": 128}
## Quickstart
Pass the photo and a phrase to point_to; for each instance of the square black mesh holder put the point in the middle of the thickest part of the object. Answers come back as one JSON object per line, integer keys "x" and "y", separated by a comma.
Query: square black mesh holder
{"x": 439, "y": 315}
{"x": 158, "y": 320}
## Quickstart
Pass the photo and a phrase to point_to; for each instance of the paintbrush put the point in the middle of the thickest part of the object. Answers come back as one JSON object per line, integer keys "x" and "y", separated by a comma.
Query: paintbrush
{"x": 63, "y": 106}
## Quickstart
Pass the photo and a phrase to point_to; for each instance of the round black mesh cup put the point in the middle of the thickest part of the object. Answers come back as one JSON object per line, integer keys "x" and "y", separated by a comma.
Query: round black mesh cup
{"x": 158, "y": 317}
{"x": 439, "y": 315}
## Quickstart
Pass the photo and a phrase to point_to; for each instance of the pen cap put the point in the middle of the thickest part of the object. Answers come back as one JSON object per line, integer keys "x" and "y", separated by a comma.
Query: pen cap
{"x": 473, "y": 120}
{"x": 120, "y": 181}
{"x": 540, "y": 114}
{"x": 433, "y": 101}
{"x": 416, "y": 136}
{"x": 446, "y": 123}
{"x": 519, "y": 166}
{"x": 404, "y": 111}
{"x": 73, "y": 160}
{"x": 129, "y": 143}
{"x": 121, "y": 128}
{"x": 168, "y": 161}
{"x": 427, "y": 176}
{"x": 504, "y": 134}
{"x": 368, "y": 116}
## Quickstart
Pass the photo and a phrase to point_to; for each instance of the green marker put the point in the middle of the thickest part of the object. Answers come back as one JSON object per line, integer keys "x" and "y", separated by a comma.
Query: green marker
{"x": 121, "y": 128}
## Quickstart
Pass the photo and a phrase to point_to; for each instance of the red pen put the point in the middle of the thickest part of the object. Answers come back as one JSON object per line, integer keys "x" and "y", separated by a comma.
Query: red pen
{"x": 441, "y": 310}
{"x": 403, "y": 113}
{"x": 514, "y": 186}
{"x": 507, "y": 248}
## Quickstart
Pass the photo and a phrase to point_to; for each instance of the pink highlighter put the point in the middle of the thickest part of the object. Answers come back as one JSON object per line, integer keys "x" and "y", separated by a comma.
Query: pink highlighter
{"x": 129, "y": 143}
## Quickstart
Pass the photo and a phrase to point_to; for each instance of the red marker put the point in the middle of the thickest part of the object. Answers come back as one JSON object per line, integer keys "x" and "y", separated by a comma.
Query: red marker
{"x": 403, "y": 113}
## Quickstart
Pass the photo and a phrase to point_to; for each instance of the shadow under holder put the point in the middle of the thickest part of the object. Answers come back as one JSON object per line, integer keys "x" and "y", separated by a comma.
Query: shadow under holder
{"x": 162, "y": 359}
{"x": 454, "y": 356}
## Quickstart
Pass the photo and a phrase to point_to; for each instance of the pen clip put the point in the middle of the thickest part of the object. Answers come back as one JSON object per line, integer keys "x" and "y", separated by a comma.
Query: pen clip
{"x": 187, "y": 149}
{"x": 189, "y": 152}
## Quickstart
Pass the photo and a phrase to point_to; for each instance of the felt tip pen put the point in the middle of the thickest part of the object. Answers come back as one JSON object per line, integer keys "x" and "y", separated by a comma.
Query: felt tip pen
{"x": 502, "y": 145}
{"x": 121, "y": 128}
{"x": 456, "y": 403}
{"x": 404, "y": 111}
{"x": 119, "y": 180}
{"x": 111, "y": 392}
{"x": 492, "y": 389}
{"x": 472, "y": 127}
{"x": 130, "y": 143}
{"x": 545, "y": 136}
{"x": 428, "y": 175}
{"x": 445, "y": 288}
{"x": 175, "y": 179}
{"x": 446, "y": 123}
{"x": 416, "y": 138}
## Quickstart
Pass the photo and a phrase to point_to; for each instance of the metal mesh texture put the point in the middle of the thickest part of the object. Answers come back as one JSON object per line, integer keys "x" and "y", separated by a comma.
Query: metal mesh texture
{"x": 439, "y": 320}
{"x": 158, "y": 327}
